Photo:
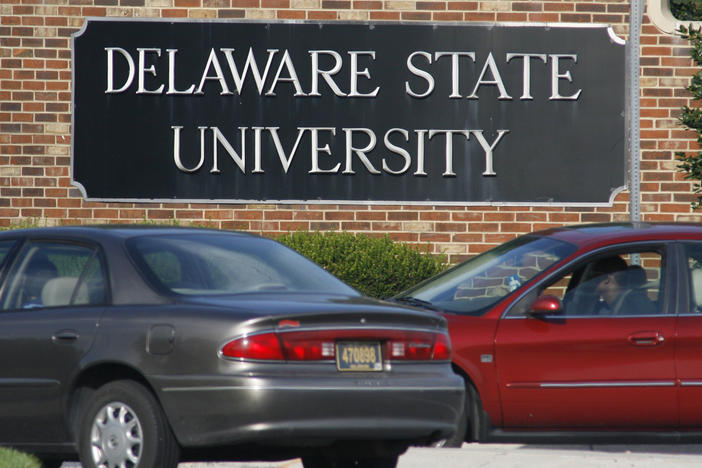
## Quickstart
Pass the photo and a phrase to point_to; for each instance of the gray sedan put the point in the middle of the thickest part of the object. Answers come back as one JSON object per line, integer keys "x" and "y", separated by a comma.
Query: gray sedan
{"x": 141, "y": 347}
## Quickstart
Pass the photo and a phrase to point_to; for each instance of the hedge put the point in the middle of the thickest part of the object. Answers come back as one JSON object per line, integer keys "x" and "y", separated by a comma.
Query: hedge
{"x": 376, "y": 266}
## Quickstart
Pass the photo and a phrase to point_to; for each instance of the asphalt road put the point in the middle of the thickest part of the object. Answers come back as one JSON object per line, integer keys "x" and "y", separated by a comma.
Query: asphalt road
{"x": 527, "y": 456}
{"x": 521, "y": 456}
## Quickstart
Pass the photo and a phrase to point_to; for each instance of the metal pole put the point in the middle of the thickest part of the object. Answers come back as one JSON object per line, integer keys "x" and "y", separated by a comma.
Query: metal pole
{"x": 634, "y": 114}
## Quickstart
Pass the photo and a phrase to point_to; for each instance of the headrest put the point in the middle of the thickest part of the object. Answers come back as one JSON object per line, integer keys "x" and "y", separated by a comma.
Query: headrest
{"x": 697, "y": 286}
{"x": 58, "y": 292}
{"x": 636, "y": 276}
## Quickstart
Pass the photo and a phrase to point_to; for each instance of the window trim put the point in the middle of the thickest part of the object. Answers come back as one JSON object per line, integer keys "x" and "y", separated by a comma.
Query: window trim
{"x": 662, "y": 17}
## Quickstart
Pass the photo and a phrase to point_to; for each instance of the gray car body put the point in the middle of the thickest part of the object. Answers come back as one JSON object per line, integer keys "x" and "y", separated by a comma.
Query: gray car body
{"x": 52, "y": 359}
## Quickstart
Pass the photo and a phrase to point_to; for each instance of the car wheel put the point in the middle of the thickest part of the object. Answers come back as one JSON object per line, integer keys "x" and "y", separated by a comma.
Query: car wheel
{"x": 349, "y": 462}
{"x": 124, "y": 426}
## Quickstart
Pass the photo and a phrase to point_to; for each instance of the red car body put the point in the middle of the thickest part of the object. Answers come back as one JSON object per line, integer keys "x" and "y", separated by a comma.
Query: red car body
{"x": 559, "y": 373}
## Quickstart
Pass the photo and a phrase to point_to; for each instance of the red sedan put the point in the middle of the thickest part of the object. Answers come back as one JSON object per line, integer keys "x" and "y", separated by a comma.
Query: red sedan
{"x": 590, "y": 332}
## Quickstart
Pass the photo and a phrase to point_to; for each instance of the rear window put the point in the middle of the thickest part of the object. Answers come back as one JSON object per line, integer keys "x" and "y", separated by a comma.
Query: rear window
{"x": 219, "y": 263}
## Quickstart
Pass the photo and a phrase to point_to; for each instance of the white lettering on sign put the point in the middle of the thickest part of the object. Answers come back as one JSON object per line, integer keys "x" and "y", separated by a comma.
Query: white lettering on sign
{"x": 276, "y": 72}
{"x": 151, "y": 71}
{"x": 359, "y": 146}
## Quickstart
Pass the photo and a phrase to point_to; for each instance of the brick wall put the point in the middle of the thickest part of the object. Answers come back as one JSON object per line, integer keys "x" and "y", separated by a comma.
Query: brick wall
{"x": 35, "y": 116}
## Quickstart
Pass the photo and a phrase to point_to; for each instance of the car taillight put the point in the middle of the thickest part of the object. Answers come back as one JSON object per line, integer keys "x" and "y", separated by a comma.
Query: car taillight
{"x": 264, "y": 346}
{"x": 308, "y": 346}
{"x": 442, "y": 348}
{"x": 320, "y": 345}
{"x": 419, "y": 346}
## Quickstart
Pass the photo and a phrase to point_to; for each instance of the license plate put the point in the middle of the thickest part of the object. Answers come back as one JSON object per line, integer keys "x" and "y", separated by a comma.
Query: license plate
{"x": 361, "y": 356}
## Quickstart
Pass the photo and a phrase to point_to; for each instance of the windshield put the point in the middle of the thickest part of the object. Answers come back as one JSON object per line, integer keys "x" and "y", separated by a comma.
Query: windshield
{"x": 479, "y": 283}
{"x": 219, "y": 263}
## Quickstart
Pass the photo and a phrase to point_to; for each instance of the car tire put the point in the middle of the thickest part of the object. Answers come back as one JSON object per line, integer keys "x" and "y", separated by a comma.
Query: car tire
{"x": 349, "y": 462}
{"x": 123, "y": 425}
{"x": 461, "y": 433}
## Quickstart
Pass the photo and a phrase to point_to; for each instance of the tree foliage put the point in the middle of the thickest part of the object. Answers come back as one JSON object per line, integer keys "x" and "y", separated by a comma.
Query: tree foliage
{"x": 686, "y": 10}
{"x": 691, "y": 117}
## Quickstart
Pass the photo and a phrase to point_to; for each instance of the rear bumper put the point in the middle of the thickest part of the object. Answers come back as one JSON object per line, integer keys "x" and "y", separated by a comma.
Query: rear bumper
{"x": 219, "y": 411}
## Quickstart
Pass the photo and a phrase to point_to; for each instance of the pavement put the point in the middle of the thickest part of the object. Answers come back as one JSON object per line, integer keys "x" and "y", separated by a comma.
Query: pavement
{"x": 520, "y": 456}
{"x": 526, "y": 456}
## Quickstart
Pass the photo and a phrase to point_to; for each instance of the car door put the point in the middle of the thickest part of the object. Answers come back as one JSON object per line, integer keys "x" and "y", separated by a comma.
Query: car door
{"x": 689, "y": 330}
{"x": 595, "y": 364}
{"x": 50, "y": 303}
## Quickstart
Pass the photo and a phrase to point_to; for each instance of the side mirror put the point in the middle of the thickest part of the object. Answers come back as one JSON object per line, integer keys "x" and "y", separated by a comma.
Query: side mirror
{"x": 545, "y": 305}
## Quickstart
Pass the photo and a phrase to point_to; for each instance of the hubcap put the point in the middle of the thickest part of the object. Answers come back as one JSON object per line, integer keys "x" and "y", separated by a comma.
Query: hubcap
{"x": 116, "y": 437}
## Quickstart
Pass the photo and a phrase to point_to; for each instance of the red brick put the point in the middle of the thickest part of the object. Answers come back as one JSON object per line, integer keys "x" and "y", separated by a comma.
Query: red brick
{"x": 384, "y": 15}
{"x": 248, "y": 215}
{"x": 339, "y": 216}
{"x": 291, "y": 14}
{"x": 519, "y": 17}
{"x": 323, "y": 15}
{"x": 322, "y": 226}
{"x": 464, "y": 6}
{"x": 279, "y": 215}
{"x": 527, "y": 6}
{"x": 452, "y": 16}
{"x": 435, "y": 216}
{"x": 576, "y": 17}
{"x": 355, "y": 226}
{"x": 368, "y": 5}
{"x": 402, "y": 216}
{"x": 174, "y": 13}
{"x": 294, "y": 226}
{"x": 499, "y": 217}
{"x": 415, "y": 16}
{"x": 434, "y": 237}
{"x": 159, "y": 214}
{"x": 424, "y": 5}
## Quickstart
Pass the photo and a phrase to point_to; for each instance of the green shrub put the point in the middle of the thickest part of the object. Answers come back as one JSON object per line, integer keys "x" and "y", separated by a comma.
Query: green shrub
{"x": 10, "y": 458}
{"x": 691, "y": 117}
{"x": 376, "y": 266}
{"x": 686, "y": 10}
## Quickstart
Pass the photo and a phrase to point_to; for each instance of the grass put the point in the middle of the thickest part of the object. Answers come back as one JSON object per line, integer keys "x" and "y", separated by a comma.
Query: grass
{"x": 10, "y": 458}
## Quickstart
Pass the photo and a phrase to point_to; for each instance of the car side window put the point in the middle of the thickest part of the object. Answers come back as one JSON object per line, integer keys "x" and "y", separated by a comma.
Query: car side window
{"x": 621, "y": 283}
{"x": 693, "y": 253}
{"x": 5, "y": 247}
{"x": 47, "y": 274}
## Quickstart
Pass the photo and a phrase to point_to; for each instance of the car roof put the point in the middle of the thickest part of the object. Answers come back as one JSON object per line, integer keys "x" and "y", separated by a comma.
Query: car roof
{"x": 589, "y": 235}
{"x": 115, "y": 231}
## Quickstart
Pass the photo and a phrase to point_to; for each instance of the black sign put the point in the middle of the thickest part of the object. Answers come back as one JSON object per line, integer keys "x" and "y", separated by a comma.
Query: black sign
{"x": 383, "y": 112}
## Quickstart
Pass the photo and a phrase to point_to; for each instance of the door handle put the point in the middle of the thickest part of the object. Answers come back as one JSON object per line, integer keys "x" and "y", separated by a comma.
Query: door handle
{"x": 647, "y": 338}
{"x": 65, "y": 336}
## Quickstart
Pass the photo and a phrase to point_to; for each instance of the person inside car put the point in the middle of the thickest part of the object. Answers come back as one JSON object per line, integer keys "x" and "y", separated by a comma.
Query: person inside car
{"x": 619, "y": 287}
